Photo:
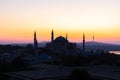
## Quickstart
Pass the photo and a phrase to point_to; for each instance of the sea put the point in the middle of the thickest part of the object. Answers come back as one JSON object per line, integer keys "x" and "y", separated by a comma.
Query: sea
{"x": 115, "y": 52}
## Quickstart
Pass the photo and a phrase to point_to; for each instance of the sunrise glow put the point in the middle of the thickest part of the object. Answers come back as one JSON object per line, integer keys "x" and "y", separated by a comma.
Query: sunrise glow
{"x": 19, "y": 19}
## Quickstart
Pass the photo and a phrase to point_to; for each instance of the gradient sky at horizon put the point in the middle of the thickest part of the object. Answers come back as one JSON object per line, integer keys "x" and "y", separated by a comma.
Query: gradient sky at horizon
{"x": 19, "y": 19}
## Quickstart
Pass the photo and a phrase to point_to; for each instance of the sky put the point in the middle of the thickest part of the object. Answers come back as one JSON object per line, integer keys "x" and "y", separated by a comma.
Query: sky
{"x": 20, "y": 18}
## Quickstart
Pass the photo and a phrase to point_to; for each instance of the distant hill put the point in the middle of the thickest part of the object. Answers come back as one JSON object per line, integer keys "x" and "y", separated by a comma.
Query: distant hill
{"x": 99, "y": 45}
{"x": 89, "y": 46}
{"x": 40, "y": 44}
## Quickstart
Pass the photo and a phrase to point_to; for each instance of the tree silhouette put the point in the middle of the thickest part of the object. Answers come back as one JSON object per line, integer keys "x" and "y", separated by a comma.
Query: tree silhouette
{"x": 78, "y": 74}
{"x": 19, "y": 63}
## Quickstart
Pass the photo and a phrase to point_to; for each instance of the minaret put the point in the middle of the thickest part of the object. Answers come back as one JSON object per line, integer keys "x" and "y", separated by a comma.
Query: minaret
{"x": 35, "y": 44}
{"x": 83, "y": 42}
{"x": 93, "y": 37}
{"x": 52, "y": 36}
{"x": 66, "y": 36}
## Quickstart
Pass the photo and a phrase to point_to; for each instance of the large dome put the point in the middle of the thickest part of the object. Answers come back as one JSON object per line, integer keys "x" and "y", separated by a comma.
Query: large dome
{"x": 61, "y": 39}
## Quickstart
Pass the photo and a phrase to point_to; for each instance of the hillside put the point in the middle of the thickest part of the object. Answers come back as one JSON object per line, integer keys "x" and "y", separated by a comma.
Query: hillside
{"x": 99, "y": 45}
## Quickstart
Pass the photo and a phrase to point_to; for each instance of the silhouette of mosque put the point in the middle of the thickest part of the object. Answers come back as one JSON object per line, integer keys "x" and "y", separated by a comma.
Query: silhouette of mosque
{"x": 62, "y": 45}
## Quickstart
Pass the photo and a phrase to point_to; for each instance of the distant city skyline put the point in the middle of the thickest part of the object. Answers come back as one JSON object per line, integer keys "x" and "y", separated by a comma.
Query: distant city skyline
{"x": 19, "y": 19}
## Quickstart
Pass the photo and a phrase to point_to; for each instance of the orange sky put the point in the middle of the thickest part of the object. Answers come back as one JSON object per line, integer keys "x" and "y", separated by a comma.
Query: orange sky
{"x": 19, "y": 19}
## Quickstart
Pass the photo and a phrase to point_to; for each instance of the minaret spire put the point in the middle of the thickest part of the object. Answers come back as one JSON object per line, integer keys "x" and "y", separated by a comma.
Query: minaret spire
{"x": 66, "y": 36}
{"x": 93, "y": 37}
{"x": 83, "y": 42}
{"x": 52, "y": 36}
{"x": 35, "y": 44}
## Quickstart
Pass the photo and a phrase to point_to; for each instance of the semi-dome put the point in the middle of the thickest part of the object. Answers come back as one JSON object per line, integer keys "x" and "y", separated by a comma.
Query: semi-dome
{"x": 61, "y": 39}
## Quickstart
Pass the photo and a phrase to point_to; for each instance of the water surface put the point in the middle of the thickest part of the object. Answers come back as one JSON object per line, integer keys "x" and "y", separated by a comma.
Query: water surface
{"x": 115, "y": 52}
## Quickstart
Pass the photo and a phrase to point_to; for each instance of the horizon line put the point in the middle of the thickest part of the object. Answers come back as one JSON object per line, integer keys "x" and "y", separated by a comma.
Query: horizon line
{"x": 9, "y": 43}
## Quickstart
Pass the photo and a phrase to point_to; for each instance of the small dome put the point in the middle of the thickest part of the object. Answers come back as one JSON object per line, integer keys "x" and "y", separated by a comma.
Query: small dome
{"x": 61, "y": 39}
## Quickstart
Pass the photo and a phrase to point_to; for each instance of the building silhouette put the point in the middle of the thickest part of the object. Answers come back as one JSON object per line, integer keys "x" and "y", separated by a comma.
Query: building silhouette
{"x": 62, "y": 45}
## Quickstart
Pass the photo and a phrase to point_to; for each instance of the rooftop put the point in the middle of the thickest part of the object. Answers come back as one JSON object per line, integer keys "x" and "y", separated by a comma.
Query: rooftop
{"x": 61, "y": 39}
